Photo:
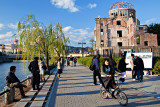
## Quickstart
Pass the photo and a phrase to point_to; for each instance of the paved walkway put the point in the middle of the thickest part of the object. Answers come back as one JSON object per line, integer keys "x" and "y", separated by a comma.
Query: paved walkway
{"x": 150, "y": 84}
{"x": 76, "y": 89}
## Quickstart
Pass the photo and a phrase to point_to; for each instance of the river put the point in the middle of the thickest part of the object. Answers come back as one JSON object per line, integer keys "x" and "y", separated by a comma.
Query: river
{"x": 21, "y": 72}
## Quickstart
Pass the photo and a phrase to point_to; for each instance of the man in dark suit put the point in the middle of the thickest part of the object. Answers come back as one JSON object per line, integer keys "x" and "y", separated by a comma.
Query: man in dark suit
{"x": 34, "y": 68}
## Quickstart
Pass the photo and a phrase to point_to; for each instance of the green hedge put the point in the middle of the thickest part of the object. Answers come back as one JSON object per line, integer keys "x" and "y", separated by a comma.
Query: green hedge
{"x": 156, "y": 65}
{"x": 88, "y": 60}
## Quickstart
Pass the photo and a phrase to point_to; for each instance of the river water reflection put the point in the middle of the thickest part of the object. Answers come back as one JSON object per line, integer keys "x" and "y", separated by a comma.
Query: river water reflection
{"x": 21, "y": 72}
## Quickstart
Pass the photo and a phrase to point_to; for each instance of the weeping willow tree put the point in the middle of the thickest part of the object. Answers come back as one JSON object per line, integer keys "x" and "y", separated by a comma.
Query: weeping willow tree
{"x": 41, "y": 41}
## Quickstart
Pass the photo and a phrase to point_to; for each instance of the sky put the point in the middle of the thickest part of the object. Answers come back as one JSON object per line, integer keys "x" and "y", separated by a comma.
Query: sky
{"x": 75, "y": 16}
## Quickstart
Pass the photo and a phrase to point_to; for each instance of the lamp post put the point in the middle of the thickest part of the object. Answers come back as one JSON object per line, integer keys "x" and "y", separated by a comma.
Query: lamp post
{"x": 82, "y": 46}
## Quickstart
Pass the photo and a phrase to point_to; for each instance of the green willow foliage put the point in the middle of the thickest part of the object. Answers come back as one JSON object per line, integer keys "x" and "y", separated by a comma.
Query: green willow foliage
{"x": 41, "y": 41}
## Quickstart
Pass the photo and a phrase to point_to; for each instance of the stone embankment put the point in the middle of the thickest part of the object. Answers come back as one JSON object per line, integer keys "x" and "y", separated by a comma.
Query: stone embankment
{"x": 5, "y": 59}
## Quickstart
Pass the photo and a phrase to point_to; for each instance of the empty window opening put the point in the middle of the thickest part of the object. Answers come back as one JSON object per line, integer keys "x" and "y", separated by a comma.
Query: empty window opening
{"x": 121, "y": 13}
{"x": 102, "y": 43}
{"x": 119, "y": 43}
{"x": 101, "y": 32}
{"x": 138, "y": 39}
{"x": 145, "y": 43}
{"x": 118, "y": 22}
{"x": 119, "y": 33}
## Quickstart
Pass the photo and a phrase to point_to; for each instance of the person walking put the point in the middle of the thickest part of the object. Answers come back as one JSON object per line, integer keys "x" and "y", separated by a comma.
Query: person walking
{"x": 122, "y": 68}
{"x": 59, "y": 67}
{"x": 96, "y": 71}
{"x": 12, "y": 81}
{"x": 133, "y": 67}
{"x": 75, "y": 61}
{"x": 71, "y": 61}
{"x": 112, "y": 64}
{"x": 34, "y": 68}
{"x": 139, "y": 67}
{"x": 68, "y": 61}
{"x": 41, "y": 65}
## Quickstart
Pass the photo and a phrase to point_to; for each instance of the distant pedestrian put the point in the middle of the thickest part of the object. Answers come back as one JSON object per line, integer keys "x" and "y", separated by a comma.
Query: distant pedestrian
{"x": 71, "y": 61}
{"x": 42, "y": 67}
{"x": 68, "y": 61}
{"x": 96, "y": 71}
{"x": 75, "y": 61}
{"x": 12, "y": 81}
{"x": 122, "y": 68}
{"x": 133, "y": 67}
{"x": 34, "y": 68}
{"x": 139, "y": 67}
{"x": 62, "y": 61}
{"x": 59, "y": 67}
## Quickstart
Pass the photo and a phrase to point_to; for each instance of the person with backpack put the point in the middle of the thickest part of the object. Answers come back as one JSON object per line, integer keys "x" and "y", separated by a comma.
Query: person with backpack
{"x": 96, "y": 71}
{"x": 42, "y": 68}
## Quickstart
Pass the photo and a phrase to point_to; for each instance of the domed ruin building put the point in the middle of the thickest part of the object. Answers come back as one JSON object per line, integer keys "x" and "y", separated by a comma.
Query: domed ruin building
{"x": 121, "y": 31}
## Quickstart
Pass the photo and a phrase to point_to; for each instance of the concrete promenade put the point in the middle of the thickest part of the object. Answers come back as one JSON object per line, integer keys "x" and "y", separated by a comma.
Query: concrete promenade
{"x": 76, "y": 89}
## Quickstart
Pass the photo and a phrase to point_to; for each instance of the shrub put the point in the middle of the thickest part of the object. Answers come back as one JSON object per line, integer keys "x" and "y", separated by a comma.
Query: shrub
{"x": 156, "y": 69}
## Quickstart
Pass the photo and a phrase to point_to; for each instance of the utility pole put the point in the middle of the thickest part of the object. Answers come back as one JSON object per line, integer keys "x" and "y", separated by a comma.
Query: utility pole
{"x": 82, "y": 46}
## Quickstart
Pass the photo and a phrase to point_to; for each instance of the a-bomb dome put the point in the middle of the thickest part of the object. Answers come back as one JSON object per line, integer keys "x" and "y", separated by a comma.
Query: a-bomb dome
{"x": 122, "y": 4}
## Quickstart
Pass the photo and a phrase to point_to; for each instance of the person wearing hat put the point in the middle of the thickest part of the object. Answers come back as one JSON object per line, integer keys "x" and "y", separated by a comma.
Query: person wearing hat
{"x": 132, "y": 67}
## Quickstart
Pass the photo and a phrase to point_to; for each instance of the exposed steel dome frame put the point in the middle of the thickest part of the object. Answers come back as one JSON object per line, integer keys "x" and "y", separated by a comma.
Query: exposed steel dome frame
{"x": 122, "y": 4}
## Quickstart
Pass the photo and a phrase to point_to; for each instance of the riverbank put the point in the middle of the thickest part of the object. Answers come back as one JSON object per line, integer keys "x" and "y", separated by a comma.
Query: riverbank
{"x": 5, "y": 59}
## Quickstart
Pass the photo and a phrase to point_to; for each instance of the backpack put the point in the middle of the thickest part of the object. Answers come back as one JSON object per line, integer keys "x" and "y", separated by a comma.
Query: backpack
{"x": 92, "y": 67}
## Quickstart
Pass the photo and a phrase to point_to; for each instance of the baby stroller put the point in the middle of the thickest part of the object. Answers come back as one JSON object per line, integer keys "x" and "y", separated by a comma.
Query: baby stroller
{"x": 110, "y": 89}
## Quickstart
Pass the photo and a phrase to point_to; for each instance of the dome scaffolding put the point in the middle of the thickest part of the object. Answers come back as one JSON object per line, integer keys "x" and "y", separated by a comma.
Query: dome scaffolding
{"x": 122, "y": 4}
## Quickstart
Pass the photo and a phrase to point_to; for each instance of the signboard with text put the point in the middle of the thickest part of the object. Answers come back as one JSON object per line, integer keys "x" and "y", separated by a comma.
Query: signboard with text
{"x": 147, "y": 58}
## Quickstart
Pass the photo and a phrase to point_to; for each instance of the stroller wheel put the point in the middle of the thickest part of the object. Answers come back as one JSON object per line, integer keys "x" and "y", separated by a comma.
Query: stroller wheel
{"x": 104, "y": 94}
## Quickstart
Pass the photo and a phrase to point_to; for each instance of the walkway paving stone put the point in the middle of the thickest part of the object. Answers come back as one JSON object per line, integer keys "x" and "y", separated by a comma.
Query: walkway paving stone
{"x": 75, "y": 89}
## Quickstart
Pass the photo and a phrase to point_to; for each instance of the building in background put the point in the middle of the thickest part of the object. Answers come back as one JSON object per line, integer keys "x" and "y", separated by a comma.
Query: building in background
{"x": 9, "y": 48}
{"x": 121, "y": 31}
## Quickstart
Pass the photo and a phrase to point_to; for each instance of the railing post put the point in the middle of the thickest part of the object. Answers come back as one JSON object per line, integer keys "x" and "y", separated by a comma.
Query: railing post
{"x": 9, "y": 96}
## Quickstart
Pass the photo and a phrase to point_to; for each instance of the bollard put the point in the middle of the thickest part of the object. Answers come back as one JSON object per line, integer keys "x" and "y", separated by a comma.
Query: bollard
{"x": 9, "y": 96}
{"x": 28, "y": 80}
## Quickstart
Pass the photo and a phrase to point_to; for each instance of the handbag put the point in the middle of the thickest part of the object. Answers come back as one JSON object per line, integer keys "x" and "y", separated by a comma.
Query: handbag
{"x": 92, "y": 67}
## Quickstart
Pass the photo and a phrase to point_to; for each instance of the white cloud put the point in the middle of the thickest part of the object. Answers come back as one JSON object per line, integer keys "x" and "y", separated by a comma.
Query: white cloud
{"x": 1, "y": 26}
{"x": 13, "y": 26}
{"x": 8, "y": 34}
{"x": 66, "y": 4}
{"x": 150, "y": 20}
{"x": 6, "y": 38}
{"x": 67, "y": 28}
{"x": 78, "y": 35}
{"x": 92, "y": 5}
